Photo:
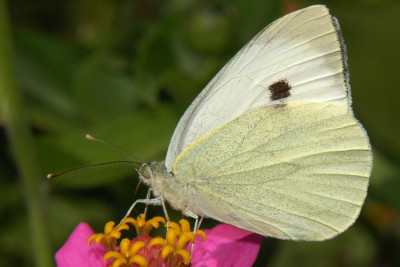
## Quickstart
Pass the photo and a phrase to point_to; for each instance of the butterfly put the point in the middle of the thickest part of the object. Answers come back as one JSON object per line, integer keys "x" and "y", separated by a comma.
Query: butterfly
{"x": 271, "y": 144}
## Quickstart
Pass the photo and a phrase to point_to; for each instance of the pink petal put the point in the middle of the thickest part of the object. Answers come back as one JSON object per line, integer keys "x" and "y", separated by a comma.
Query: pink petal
{"x": 226, "y": 245}
{"x": 76, "y": 252}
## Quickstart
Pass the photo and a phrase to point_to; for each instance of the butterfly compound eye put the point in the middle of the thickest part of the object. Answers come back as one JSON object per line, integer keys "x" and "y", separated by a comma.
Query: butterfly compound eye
{"x": 145, "y": 171}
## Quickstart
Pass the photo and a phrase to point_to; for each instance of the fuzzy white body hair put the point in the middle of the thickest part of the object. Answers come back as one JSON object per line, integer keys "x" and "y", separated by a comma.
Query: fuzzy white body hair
{"x": 179, "y": 194}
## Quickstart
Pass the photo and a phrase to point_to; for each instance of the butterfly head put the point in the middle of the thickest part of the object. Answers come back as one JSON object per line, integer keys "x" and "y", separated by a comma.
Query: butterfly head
{"x": 145, "y": 172}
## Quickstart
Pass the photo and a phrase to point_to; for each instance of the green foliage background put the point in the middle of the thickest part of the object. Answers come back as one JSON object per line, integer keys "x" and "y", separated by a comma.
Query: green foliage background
{"x": 124, "y": 71}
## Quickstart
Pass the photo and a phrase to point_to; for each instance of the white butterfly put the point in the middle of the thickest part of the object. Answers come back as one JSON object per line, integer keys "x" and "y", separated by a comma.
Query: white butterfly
{"x": 271, "y": 144}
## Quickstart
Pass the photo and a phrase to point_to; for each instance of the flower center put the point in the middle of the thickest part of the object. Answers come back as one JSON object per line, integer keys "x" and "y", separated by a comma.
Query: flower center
{"x": 143, "y": 250}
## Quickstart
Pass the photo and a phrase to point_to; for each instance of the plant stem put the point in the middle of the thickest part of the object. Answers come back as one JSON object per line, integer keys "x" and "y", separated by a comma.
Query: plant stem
{"x": 22, "y": 144}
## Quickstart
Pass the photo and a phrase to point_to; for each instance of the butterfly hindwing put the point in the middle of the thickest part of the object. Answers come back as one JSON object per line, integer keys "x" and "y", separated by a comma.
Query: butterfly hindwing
{"x": 294, "y": 172}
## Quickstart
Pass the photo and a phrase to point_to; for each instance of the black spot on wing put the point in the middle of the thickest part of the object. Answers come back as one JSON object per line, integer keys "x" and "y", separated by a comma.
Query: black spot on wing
{"x": 280, "y": 90}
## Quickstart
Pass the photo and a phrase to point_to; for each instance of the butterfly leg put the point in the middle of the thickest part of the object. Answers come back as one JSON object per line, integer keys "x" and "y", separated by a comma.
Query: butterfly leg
{"x": 147, "y": 206}
{"x": 198, "y": 219}
{"x": 197, "y": 223}
{"x": 165, "y": 210}
{"x": 152, "y": 201}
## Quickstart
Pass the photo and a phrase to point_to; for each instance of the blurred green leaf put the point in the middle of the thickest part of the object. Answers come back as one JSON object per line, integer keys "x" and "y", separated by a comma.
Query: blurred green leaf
{"x": 253, "y": 16}
{"x": 45, "y": 67}
{"x": 73, "y": 212}
{"x": 103, "y": 24}
{"x": 14, "y": 234}
{"x": 103, "y": 89}
{"x": 211, "y": 20}
{"x": 354, "y": 248}
{"x": 385, "y": 182}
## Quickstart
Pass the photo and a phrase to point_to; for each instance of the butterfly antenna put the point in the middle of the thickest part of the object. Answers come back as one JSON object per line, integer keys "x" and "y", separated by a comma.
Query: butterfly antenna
{"x": 56, "y": 174}
{"x": 92, "y": 138}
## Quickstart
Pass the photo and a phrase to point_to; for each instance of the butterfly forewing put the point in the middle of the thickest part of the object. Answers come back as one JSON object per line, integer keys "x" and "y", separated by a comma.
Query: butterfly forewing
{"x": 302, "y": 50}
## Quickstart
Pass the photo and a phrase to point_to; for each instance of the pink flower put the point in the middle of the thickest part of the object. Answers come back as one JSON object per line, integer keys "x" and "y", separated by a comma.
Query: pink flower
{"x": 225, "y": 246}
{"x": 76, "y": 252}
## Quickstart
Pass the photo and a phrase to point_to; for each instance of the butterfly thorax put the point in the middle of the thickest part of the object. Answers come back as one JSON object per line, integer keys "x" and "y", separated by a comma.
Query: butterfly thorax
{"x": 178, "y": 194}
